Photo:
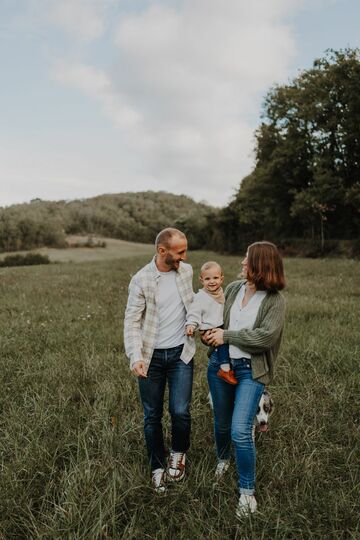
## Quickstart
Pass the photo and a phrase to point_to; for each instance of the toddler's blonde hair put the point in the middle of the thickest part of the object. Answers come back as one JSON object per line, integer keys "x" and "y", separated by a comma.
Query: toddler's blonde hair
{"x": 209, "y": 264}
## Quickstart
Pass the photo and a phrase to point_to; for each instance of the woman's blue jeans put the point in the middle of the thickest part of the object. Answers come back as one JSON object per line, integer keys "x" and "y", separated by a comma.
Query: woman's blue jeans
{"x": 166, "y": 366}
{"x": 234, "y": 411}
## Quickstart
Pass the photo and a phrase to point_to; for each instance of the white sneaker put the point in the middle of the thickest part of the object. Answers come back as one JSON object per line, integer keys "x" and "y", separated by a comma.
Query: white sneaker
{"x": 221, "y": 468}
{"x": 247, "y": 505}
{"x": 158, "y": 480}
{"x": 176, "y": 466}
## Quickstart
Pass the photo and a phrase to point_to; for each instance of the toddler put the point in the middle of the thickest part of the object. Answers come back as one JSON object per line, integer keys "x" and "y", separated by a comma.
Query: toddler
{"x": 206, "y": 312}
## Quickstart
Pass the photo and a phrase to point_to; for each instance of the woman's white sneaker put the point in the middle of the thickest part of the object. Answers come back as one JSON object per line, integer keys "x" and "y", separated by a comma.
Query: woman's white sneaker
{"x": 221, "y": 468}
{"x": 247, "y": 505}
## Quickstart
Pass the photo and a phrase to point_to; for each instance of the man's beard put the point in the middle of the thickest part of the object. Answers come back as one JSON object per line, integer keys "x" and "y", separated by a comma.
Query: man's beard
{"x": 171, "y": 263}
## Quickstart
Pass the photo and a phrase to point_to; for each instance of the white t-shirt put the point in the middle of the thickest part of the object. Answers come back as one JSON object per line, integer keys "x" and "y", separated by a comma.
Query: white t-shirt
{"x": 171, "y": 311}
{"x": 244, "y": 317}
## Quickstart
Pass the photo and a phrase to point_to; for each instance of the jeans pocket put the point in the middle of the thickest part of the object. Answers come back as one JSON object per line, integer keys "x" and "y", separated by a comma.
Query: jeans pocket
{"x": 241, "y": 365}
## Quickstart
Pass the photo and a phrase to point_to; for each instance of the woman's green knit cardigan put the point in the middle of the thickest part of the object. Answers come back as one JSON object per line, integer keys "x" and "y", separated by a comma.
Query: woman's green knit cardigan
{"x": 262, "y": 341}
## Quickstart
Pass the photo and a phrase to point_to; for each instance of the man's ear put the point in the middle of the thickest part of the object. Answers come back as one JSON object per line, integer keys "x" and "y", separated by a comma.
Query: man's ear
{"x": 161, "y": 250}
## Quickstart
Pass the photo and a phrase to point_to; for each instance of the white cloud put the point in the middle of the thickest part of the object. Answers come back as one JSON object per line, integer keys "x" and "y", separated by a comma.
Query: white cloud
{"x": 82, "y": 20}
{"x": 197, "y": 73}
{"x": 97, "y": 84}
{"x": 182, "y": 83}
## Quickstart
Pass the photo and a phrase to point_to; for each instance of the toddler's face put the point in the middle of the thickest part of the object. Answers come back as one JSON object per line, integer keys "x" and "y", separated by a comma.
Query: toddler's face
{"x": 212, "y": 278}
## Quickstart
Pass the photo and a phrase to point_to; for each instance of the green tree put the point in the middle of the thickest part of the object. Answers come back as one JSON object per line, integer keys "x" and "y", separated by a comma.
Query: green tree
{"x": 307, "y": 155}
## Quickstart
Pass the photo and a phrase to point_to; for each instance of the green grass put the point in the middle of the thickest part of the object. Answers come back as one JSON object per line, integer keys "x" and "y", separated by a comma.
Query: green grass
{"x": 115, "y": 249}
{"x": 73, "y": 460}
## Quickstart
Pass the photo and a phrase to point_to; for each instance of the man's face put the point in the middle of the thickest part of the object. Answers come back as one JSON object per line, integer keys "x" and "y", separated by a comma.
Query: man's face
{"x": 175, "y": 253}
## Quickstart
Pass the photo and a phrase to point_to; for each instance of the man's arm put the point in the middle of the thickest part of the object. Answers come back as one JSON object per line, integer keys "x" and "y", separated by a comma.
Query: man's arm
{"x": 135, "y": 308}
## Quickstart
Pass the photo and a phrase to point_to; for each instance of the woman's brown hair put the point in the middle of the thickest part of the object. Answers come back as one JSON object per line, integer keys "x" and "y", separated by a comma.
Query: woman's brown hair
{"x": 265, "y": 267}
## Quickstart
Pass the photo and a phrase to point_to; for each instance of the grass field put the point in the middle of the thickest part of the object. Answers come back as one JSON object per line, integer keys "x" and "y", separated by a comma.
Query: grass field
{"x": 73, "y": 463}
{"x": 115, "y": 249}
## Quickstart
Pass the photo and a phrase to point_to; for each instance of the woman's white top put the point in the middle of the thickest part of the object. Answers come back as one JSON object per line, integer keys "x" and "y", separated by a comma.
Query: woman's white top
{"x": 244, "y": 317}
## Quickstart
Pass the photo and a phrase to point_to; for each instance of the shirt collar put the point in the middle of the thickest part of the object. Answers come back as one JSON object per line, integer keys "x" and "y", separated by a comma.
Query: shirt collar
{"x": 157, "y": 272}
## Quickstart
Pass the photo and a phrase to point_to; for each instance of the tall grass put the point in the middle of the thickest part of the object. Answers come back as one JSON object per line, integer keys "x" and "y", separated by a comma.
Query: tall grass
{"x": 72, "y": 451}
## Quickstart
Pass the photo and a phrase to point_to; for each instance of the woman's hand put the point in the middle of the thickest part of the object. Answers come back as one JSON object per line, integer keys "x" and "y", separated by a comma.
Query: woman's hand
{"x": 215, "y": 337}
{"x": 204, "y": 335}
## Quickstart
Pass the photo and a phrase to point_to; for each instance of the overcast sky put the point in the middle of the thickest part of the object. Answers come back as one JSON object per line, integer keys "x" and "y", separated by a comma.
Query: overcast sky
{"x": 106, "y": 96}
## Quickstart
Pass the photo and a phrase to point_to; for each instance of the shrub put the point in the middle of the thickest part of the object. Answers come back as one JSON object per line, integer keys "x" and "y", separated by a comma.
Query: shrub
{"x": 89, "y": 243}
{"x": 25, "y": 260}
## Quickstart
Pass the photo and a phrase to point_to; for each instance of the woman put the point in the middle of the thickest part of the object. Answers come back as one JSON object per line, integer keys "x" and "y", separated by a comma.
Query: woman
{"x": 253, "y": 325}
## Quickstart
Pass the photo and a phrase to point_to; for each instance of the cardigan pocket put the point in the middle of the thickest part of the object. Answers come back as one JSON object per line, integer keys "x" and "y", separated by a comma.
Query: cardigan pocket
{"x": 259, "y": 366}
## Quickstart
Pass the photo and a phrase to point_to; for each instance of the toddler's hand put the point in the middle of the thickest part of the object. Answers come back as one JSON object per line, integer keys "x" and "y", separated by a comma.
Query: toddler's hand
{"x": 190, "y": 329}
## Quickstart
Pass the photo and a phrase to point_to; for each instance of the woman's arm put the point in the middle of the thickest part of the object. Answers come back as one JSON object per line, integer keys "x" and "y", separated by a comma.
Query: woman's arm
{"x": 263, "y": 337}
{"x": 215, "y": 337}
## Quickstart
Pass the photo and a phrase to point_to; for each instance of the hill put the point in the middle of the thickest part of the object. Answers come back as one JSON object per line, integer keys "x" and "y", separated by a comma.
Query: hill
{"x": 87, "y": 249}
{"x": 134, "y": 217}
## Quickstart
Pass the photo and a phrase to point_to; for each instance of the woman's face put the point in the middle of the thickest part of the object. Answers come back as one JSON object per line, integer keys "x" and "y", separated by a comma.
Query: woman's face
{"x": 244, "y": 265}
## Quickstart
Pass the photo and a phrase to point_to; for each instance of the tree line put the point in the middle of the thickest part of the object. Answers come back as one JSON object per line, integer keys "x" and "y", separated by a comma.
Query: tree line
{"x": 306, "y": 179}
{"x": 128, "y": 216}
{"x": 305, "y": 186}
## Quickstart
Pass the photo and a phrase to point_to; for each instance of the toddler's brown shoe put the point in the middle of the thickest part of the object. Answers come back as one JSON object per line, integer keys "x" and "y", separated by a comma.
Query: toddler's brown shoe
{"x": 228, "y": 376}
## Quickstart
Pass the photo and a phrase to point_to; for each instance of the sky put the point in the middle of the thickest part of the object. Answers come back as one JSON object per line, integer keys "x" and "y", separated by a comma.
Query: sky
{"x": 108, "y": 96}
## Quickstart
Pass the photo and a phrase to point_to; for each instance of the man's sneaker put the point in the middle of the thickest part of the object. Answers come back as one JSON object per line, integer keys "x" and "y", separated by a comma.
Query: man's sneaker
{"x": 158, "y": 480}
{"x": 228, "y": 376}
{"x": 247, "y": 505}
{"x": 221, "y": 468}
{"x": 176, "y": 466}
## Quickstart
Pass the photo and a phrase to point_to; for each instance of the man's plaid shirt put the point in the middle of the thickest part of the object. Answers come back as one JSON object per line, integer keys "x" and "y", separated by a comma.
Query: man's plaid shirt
{"x": 141, "y": 317}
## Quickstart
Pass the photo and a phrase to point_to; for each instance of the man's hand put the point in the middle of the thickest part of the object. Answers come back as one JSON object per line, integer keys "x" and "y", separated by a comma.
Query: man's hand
{"x": 190, "y": 329}
{"x": 139, "y": 369}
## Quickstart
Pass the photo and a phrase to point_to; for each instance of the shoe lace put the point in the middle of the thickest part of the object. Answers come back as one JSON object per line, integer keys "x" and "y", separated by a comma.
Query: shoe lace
{"x": 175, "y": 459}
{"x": 157, "y": 476}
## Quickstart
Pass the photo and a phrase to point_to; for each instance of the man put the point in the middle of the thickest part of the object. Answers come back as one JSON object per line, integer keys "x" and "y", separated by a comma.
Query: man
{"x": 154, "y": 331}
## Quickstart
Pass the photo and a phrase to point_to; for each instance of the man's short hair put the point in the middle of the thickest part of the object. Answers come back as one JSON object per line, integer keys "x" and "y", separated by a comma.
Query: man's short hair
{"x": 164, "y": 237}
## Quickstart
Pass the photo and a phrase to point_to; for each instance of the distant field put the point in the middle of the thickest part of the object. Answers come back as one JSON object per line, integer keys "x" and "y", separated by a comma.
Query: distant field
{"x": 115, "y": 249}
{"x": 72, "y": 458}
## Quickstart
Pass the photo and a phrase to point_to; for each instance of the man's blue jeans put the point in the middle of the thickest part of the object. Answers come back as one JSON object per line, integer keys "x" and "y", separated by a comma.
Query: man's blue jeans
{"x": 234, "y": 411}
{"x": 166, "y": 366}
